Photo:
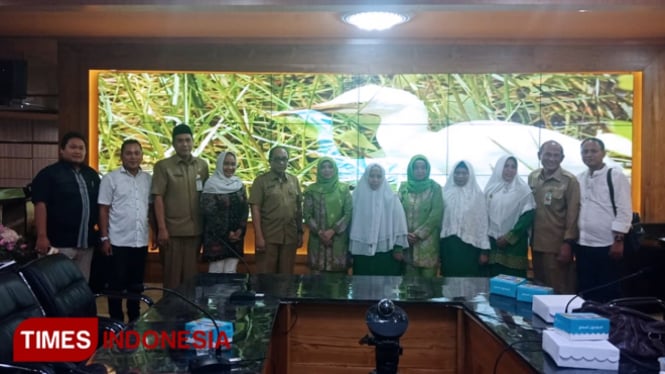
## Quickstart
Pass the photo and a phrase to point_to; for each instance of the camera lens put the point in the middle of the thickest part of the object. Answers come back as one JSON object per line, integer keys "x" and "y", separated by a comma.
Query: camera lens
{"x": 386, "y": 308}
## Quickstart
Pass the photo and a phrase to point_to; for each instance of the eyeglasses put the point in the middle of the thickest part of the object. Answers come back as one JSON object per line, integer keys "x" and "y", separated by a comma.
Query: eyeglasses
{"x": 279, "y": 159}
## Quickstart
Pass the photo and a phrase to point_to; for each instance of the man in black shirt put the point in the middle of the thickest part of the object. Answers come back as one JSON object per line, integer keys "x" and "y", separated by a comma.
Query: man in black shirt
{"x": 65, "y": 199}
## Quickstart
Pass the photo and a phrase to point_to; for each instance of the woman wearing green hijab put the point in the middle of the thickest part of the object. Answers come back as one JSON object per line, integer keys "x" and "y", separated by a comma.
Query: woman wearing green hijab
{"x": 422, "y": 200}
{"x": 327, "y": 212}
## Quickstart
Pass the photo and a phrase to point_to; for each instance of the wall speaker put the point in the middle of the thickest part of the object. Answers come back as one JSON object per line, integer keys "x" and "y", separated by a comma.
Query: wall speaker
{"x": 13, "y": 80}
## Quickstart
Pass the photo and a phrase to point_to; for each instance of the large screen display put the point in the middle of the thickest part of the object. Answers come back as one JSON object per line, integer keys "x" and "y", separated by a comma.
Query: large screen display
{"x": 364, "y": 119}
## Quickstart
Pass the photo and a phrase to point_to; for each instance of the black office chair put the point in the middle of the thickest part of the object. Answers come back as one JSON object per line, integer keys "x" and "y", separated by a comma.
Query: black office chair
{"x": 17, "y": 303}
{"x": 63, "y": 291}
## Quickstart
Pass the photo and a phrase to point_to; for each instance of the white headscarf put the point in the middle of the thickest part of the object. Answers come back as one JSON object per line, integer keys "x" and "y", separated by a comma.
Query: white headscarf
{"x": 506, "y": 201}
{"x": 378, "y": 222}
{"x": 218, "y": 183}
{"x": 465, "y": 210}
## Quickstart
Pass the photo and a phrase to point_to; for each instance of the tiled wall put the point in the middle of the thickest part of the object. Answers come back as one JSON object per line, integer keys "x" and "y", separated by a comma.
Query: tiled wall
{"x": 26, "y": 146}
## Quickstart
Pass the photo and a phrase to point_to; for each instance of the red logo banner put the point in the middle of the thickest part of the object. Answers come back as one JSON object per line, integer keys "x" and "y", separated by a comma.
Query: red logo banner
{"x": 55, "y": 339}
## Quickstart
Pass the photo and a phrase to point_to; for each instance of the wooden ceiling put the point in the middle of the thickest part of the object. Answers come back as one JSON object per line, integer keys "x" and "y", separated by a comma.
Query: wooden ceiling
{"x": 459, "y": 20}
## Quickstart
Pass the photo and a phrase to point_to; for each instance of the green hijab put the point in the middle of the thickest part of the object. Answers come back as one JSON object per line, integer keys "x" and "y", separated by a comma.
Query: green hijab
{"x": 418, "y": 186}
{"x": 322, "y": 185}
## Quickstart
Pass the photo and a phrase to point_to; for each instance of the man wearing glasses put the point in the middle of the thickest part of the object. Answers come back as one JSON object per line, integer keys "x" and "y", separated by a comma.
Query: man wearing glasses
{"x": 277, "y": 215}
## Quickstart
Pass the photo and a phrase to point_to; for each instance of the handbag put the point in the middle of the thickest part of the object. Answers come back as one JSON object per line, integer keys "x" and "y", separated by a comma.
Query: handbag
{"x": 634, "y": 333}
{"x": 632, "y": 239}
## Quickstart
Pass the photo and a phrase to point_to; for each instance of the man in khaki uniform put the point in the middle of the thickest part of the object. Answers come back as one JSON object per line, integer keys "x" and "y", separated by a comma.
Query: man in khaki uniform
{"x": 176, "y": 185}
{"x": 557, "y": 195}
{"x": 277, "y": 216}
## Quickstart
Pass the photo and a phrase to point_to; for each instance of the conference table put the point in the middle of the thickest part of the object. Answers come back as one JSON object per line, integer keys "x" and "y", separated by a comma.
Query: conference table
{"x": 314, "y": 323}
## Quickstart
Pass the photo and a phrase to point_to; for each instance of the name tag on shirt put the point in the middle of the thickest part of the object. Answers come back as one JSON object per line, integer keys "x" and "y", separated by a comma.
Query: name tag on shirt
{"x": 548, "y": 198}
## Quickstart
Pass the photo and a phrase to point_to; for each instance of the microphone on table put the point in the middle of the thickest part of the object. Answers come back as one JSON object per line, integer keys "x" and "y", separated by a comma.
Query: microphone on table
{"x": 638, "y": 273}
{"x": 244, "y": 296}
{"x": 208, "y": 364}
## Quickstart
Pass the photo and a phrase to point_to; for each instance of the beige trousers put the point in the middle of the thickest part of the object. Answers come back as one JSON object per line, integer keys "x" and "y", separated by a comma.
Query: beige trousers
{"x": 552, "y": 273}
{"x": 179, "y": 259}
{"x": 277, "y": 258}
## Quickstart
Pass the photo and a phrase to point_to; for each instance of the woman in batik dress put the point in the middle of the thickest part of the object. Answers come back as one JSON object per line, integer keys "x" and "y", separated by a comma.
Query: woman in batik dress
{"x": 327, "y": 211}
{"x": 423, "y": 205}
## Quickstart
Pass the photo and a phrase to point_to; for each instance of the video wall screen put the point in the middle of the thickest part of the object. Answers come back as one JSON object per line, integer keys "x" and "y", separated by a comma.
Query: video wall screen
{"x": 362, "y": 119}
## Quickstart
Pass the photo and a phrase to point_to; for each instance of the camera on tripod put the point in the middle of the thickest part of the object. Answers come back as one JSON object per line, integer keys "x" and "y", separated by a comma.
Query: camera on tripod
{"x": 387, "y": 322}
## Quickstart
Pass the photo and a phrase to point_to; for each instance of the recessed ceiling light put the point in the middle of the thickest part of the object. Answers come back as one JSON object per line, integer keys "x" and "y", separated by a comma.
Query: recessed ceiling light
{"x": 375, "y": 21}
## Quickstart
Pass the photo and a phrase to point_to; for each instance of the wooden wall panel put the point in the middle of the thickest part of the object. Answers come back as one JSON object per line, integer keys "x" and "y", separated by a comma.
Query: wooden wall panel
{"x": 16, "y": 151}
{"x": 49, "y": 151}
{"x": 17, "y": 168}
{"x": 72, "y": 75}
{"x": 322, "y": 337}
{"x": 21, "y": 130}
{"x": 42, "y": 59}
{"x": 653, "y": 138}
{"x": 483, "y": 349}
{"x": 325, "y": 339}
{"x": 21, "y": 155}
{"x": 45, "y": 131}
{"x": 15, "y": 129}
{"x": 356, "y": 58}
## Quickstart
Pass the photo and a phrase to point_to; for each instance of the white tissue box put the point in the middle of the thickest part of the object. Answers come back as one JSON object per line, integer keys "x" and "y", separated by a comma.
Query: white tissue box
{"x": 599, "y": 354}
{"x": 547, "y": 306}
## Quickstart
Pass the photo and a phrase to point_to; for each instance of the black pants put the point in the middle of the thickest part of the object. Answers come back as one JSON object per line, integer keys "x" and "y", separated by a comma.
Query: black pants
{"x": 127, "y": 271}
{"x": 595, "y": 268}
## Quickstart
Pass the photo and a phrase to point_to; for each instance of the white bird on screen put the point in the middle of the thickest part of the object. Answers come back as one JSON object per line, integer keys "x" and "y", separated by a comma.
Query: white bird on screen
{"x": 404, "y": 131}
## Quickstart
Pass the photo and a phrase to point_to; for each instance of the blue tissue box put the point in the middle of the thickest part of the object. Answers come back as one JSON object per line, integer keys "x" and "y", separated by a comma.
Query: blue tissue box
{"x": 505, "y": 285}
{"x": 526, "y": 291}
{"x": 206, "y": 326}
{"x": 582, "y": 326}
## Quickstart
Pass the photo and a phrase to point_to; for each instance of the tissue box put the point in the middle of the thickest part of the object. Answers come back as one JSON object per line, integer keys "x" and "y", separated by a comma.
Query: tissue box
{"x": 505, "y": 285}
{"x": 598, "y": 354}
{"x": 546, "y": 306}
{"x": 526, "y": 291}
{"x": 206, "y": 325}
{"x": 582, "y": 326}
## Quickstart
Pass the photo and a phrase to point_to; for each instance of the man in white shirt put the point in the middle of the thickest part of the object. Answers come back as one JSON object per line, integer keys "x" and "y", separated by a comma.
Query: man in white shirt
{"x": 124, "y": 197}
{"x": 600, "y": 245}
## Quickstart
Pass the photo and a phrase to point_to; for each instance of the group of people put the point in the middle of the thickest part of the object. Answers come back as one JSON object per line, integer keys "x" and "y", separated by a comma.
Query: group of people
{"x": 575, "y": 225}
{"x": 423, "y": 229}
{"x": 76, "y": 211}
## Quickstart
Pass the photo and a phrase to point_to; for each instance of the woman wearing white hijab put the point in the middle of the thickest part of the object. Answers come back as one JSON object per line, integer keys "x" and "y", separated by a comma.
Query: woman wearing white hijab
{"x": 378, "y": 227}
{"x": 224, "y": 208}
{"x": 511, "y": 210}
{"x": 464, "y": 242}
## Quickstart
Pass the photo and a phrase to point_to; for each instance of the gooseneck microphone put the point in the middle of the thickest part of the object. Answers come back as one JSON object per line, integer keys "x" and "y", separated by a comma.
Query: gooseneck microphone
{"x": 638, "y": 273}
{"x": 245, "y": 296}
{"x": 237, "y": 255}
{"x": 208, "y": 364}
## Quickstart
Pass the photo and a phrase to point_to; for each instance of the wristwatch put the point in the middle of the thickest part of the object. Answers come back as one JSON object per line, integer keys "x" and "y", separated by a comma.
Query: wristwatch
{"x": 103, "y": 239}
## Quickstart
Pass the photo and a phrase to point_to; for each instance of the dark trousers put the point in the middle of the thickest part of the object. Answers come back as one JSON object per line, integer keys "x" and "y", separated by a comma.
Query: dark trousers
{"x": 127, "y": 271}
{"x": 595, "y": 268}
